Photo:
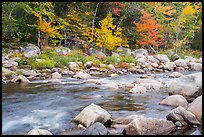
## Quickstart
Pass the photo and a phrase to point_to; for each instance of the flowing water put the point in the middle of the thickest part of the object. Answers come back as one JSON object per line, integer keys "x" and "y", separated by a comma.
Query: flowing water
{"x": 52, "y": 106}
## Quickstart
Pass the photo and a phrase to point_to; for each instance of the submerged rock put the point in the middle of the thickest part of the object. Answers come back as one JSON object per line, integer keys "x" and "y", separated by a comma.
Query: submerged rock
{"x": 175, "y": 75}
{"x": 92, "y": 114}
{"x": 138, "y": 89}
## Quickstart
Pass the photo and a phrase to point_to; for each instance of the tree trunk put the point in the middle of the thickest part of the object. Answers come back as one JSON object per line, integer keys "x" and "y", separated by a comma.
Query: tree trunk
{"x": 39, "y": 40}
{"x": 92, "y": 31}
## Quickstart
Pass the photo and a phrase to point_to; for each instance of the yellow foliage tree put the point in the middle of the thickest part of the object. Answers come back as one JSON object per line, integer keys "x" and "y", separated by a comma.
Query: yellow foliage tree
{"x": 109, "y": 36}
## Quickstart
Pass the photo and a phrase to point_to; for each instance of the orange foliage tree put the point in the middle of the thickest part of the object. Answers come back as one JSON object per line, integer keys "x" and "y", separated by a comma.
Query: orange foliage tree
{"x": 148, "y": 30}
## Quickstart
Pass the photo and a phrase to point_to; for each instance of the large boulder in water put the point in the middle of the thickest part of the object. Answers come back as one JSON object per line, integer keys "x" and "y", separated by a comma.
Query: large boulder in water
{"x": 92, "y": 114}
{"x": 174, "y": 100}
{"x": 39, "y": 132}
{"x": 183, "y": 116}
{"x": 196, "y": 108}
{"x": 20, "y": 78}
{"x": 95, "y": 129}
{"x": 31, "y": 51}
{"x": 189, "y": 86}
{"x": 149, "y": 126}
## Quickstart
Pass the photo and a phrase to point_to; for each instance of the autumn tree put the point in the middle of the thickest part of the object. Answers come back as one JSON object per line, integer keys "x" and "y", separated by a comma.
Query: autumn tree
{"x": 148, "y": 30}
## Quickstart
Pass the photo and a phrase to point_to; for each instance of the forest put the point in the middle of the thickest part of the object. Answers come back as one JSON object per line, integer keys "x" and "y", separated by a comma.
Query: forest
{"x": 156, "y": 26}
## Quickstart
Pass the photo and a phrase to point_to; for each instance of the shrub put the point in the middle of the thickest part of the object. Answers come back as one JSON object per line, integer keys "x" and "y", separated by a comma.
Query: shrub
{"x": 43, "y": 65}
{"x": 111, "y": 60}
{"x": 128, "y": 59}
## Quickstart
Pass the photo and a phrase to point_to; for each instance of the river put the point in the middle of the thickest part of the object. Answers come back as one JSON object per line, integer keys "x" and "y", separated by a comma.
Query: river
{"x": 52, "y": 106}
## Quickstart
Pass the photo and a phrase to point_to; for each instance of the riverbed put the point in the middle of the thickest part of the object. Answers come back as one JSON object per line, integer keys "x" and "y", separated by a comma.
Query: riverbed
{"x": 52, "y": 106}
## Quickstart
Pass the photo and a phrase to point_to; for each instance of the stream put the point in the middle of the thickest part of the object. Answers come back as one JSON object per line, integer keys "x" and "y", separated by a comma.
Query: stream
{"x": 52, "y": 106}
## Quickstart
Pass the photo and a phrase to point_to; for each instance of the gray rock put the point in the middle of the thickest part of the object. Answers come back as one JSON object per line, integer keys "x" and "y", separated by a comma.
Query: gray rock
{"x": 67, "y": 72}
{"x": 175, "y": 75}
{"x": 31, "y": 51}
{"x": 20, "y": 78}
{"x": 92, "y": 114}
{"x": 149, "y": 83}
{"x": 140, "y": 53}
{"x": 141, "y": 61}
{"x": 39, "y": 132}
{"x": 196, "y": 108}
{"x": 149, "y": 126}
{"x": 88, "y": 64}
{"x": 195, "y": 66}
{"x": 96, "y": 53}
{"x": 73, "y": 66}
{"x": 180, "y": 63}
{"x": 170, "y": 66}
{"x": 123, "y": 51}
{"x": 174, "y": 100}
{"x": 110, "y": 67}
{"x": 62, "y": 50}
{"x": 138, "y": 89}
{"x": 113, "y": 86}
{"x": 56, "y": 75}
{"x": 29, "y": 73}
{"x": 83, "y": 75}
{"x": 126, "y": 120}
{"x": 152, "y": 59}
{"x": 162, "y": 58}
{"x": 183, "y": 116}
{"x": 189, "y": 86}
{"x": 115, "y": 54}
{"x": 95, "y": 129}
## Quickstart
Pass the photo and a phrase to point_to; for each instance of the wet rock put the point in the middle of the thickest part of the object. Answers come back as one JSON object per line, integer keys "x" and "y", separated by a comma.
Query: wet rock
{"x": 126, "y": 120}
{"x": 175, "y": 75}
{"x": 83, "y": 75}
{"x": 113, "y": 75}
{"x": 138, "y": 89}
{"x": 95, "y": 81}
{"x": 149, "y": 83}
{"x": 20, "y": 78}
{"x": 113, "y": 86}
{"x": 180, "y": 63}
{"x": 189, "y": 86}
{"x": 31, "y": 51}
{"x": 174, "y": 100}
{"x": 92, "y": 114}
{"x": 56, "y": 75}
{"x": 110, "y": 67}
{"x": 96, "y": 53}
{"x": 196, "y": 108}
{"x": 73, "y": 66}
{"x": 179, "y": 69}
{"x": 162, "y": 58}
{"x": 95, "y": 129}
{"x": 183, "y": 116}
{"x": 149, "y": 126}
{"x": 126, "y": 86}
{"x": 88, "y": 64}
{"x": 170, "y": 66}
{"x": 39, "y": 132}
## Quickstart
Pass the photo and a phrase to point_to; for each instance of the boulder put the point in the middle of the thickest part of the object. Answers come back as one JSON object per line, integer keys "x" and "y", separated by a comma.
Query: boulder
{"x": 102, "y": 65}
{"x": 6, "y": 71}
{"x": 138, "y": 89}
{"x": 175, "y": 75}
{"x": 29, "y": 73}
{"x": 141, "y": 61}
{"x": 162, "y": 58}
{"x": 88, "y": 64}
{"x": 180, "y": 63}
{"x": 82, "y": 75}
{"x": 92, "y": 114}
{"x": 56, "y": 75}
{"x": 196, "y": 108}
{"x": 95, "y": 129}
{"x": 140, "y": 53}
{"x": 126, "y": 86}
{"x": 174, "y": 57}
{"x": 96, "y": 53}
{"x": 183, "y": 116}
{"x": 20, "y": 78}
{"x": 73, "y": 66}
{"x": 9, "y": 63}
{"x": 154, "y": 65}
{"x": 170, "y": 66}
{"x": 56, "y": 70}
{"x": 31, "y": 51}
{"x": 189, "y": 86}
{"x": 149, "y": 126}
{"x": 174, "y": 100}
{"x": 62, "y": 50}
{"x": 123, "y": 51}
{"x": 126, "y": 120}
{"x": 152, "y": 59}
{"x": 115, "y": 54}
{"x": 95, "y": 81}
{"x": 39, "y": 132}
{"x": 195, "y": 66}
{"x": 113, "y": 86}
